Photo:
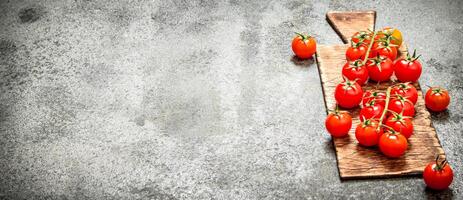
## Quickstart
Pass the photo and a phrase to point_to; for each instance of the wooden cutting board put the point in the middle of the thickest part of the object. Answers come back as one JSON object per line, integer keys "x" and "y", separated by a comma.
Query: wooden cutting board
{"x": 355, "y": 161}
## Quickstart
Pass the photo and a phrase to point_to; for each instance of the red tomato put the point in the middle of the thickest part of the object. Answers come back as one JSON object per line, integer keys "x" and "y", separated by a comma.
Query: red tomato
{"x": 386, "y": 49}
{"x": 304, "y": 46}
{"x": 380, "y": 69}
{"x": 401, "y": 105}
{"x": 401, "y": 124}
{"x": 367, "y": 133}
{"x": 408, "y": 69}
{"x": 362, "y": 36}
{"x": 355, "y": 71}
{"x": 392, "y": 144}
{"x": 348, "y": 94}
{"x": 438, "y": 176}
{"x": 379, "y": 97}
{"x": 338, "y": 123}
{"x": 437, "y": 99}
{"x": 373, "y": 110}
{"x": 356, "y": 51}
{"x": 406, "y": 90}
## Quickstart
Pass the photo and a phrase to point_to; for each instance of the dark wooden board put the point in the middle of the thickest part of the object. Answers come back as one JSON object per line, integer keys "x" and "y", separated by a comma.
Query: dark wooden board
{"x": 355, "y": 161}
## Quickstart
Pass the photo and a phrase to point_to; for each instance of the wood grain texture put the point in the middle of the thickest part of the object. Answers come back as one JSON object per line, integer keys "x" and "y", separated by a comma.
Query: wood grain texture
{"x": 346, "y": 23}
{"x": 355, "y": 161}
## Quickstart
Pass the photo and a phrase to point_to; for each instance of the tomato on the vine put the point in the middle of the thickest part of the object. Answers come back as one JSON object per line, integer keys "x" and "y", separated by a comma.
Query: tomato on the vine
{"x": 401, "y": 105}
{"x": 355, "y": 71}
{"x": 338, "y": 123}
{"x": 406, "y": 90}
{"x": 401, "y": 124}
{"x": 438, "y": 175}
{"x": 304, "y": 46}
{"x": 367, "y": 132}
{"x": 392, "y": 34}
{"x": 348, "y": 94}
{"x": 408, "y": 69}
{"x": 437, "y": 99}
{"x": 379, "y": 69}
{"x": 385, "y": 49}
{"x": 392, "y": 144}
{"x": 377, "y": 96}
{"x": 356, "y": 51}
{"x": 361, "y": 36}
{"x": 373, "y": 110}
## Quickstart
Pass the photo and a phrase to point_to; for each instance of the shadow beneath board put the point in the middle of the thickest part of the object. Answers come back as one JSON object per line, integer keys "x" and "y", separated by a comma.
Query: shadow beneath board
{"x": 303, "y": 62}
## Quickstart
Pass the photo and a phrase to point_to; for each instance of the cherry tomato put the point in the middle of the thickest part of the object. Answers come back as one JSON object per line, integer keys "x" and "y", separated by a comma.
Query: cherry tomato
{"x": 367, "y": 133}
{"x": 437, "y": 99}
{"x": 373, "y": 110}
{"x": 438, "y": 175}
{"x": 401, "y": 124}
{"x": 406, "y": 90}
{"x": 393, "y": 35}
{"x": 408, "y": 69}
{"x": 348, "y": 94}
{"x": 355, "y": 71}
{"x": 362, "y": 36}
{"x": 304, "y": 46}
{"x": 386, "y": 49}
{"x": 392, "y": 144}
{"x": 379, "y": 69}
{"x": 356, "y": 51}
{"x": 401, "y": 105}
{"x": 338, "y": 123}
{"x": 378, "y": 97}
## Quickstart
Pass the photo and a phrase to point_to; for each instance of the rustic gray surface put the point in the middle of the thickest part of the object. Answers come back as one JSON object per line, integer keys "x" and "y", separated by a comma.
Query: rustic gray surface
{"x": 194, "y": 99}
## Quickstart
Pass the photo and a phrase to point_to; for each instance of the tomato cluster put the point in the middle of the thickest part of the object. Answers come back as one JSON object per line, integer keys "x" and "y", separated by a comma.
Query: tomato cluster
{"x": 386, "y": 118}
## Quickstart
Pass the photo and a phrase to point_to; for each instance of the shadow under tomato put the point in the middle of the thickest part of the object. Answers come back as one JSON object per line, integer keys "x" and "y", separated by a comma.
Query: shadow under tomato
{"x": 303, "y": 62}
{"x": 435, "y": 194}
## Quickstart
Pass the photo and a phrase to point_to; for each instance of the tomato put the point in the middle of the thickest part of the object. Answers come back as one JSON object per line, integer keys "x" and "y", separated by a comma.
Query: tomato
{"x": 348, "y": 94}
{"x": 394, "y": 35}
{"x": 392, "y": 144}
{"x": 385, "y": 49}
{"x": 401, "y": 124}
{"x": 367, "y": 133}
{"x": 401, "y": 105}
{"x": 355, "y": 71}
{"x": 408, "y": 69}
{"x": 380, "y": 69}
{"x": 356, "y": 51}
{"x": 338, "y": 123}
{"x": 373, "y": 110}
{"x": 304, "y": 46}
{"x": 406, "y": 90}
{"x": 437, "y": 99}
{"x": 362, "y": 36}
{"x": 379, "y": 97}
{"x": 438, "y": 175}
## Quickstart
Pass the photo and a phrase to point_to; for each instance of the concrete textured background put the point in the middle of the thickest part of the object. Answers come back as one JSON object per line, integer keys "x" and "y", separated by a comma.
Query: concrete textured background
{"x": 189, "y": 99}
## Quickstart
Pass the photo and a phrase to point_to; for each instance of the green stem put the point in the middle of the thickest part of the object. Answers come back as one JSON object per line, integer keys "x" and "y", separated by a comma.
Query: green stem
{"x": 388, "y": 97}
{"x": 369, "y": 48}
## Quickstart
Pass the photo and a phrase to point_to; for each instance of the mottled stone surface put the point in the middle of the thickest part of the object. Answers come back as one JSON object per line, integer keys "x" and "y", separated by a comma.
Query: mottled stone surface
{"x": 194, "y": 99}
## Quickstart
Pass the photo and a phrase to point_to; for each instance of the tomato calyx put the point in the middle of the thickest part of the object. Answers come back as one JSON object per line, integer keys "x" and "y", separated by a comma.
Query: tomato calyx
{"x": 348, "y": 84}
{"x": 437, "y": 90}
{"x": 355, "y": 65}
{"x": 413, "y": 57}
{"x": 336, "y": 111}
{"x": 304, "y": 37}
{"x": 399, "y": 117}
{"x": 377, "y": 61}
{"x": 440, "y": 165}
{"x": 386, "y": 44}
